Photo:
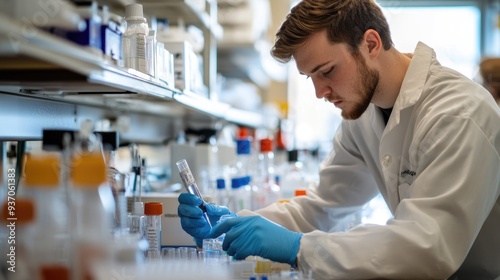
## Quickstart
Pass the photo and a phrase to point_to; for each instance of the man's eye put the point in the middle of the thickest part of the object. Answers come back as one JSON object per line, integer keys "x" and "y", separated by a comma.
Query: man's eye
{"x": 328, "y": 72}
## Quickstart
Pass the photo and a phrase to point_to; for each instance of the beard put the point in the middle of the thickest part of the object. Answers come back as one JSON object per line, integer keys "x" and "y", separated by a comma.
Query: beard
{"x": 366, "y": 85}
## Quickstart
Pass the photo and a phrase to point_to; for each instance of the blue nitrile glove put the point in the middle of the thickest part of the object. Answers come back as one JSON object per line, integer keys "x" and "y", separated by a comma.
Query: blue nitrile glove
{"x": 258, "y": 236}
{"x": 192, "y": 219}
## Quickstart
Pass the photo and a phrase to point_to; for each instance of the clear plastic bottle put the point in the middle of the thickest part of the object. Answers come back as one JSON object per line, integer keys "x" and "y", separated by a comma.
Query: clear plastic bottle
{"x": 255, "y": 196}
{"x": 223, "y": 194}
{"x": 50, "y": 251}
{"x": 152, "y": 229}
{"x": 116, "y": 181}
{"x": 240, "y": 198}
{"x": 92, "y": 206}
{"x": 151, "y": 53}
{"x": 293, "y": 176}
{"x": 242, "y": 167}
{"x": 135, "y": 39}
{"x": 265, "y": 178}
{"x": 19, "y": 229}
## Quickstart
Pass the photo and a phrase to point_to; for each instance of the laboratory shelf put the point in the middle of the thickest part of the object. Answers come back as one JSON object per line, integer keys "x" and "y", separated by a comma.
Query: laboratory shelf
{"x": 185, "y": 9}
{"x": 202, "y": 104}
{"x": 245, "y": 118}
{"x": 25, "y": 118}
{"x": 54, "y": 83}
{"x": 42, "y": 62}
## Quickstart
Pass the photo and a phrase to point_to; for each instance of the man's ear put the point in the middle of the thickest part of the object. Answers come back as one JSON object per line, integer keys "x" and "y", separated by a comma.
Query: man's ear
{"x": 373, "y": 42}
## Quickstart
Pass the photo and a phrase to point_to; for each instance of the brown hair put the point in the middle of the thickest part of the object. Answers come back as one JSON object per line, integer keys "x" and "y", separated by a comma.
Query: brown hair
{"x": 345, "y": 21}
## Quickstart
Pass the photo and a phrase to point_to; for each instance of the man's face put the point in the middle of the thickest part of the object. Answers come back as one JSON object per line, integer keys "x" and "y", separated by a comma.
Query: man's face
{"x": 338, "y": 76}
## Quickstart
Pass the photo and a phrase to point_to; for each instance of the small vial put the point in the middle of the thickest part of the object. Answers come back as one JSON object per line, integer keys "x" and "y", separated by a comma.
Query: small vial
{"x": 191, "y": 186}
{"x": 152, "y": 229}
{"x": 136, "y": 217}
{"x": 212, "y": 248}
{"x": 169, "y": 253}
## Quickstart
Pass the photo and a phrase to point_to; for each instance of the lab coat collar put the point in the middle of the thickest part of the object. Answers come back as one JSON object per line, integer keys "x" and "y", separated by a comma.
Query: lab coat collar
{"x": 413, "y": 82}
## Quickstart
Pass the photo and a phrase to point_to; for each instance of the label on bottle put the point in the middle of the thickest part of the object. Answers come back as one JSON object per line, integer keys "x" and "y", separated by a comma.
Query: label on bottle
{"x": 153, "y": 237}
{"x": 141, "y": 54}
{"x": 135, "y": 53}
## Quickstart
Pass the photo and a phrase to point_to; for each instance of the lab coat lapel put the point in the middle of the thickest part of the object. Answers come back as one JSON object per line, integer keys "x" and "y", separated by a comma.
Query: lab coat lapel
{"x": 398, "y": 129}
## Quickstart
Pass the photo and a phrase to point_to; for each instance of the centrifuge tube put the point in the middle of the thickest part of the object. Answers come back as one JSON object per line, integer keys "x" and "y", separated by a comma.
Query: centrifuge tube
{"x": 190, "y": 185}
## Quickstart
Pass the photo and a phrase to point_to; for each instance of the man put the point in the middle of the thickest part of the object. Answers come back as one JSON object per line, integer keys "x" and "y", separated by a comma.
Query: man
{"x": 424, "y": 136}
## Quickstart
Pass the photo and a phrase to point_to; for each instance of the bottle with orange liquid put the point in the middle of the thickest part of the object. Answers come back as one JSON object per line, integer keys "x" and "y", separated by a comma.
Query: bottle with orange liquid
{"x": 49, "y": 250}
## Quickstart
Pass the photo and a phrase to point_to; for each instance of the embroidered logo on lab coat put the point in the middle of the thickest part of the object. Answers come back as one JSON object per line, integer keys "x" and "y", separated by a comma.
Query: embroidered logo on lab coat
{"x": 408, "y": 172}
{"x": 407, "y": 176}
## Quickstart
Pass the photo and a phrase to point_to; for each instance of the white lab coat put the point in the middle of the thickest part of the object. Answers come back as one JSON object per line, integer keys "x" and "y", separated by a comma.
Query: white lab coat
{"x": 437, "y": 165}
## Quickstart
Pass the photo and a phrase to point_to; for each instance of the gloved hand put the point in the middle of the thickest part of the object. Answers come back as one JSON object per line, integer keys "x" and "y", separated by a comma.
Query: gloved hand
{"x": 192, "y": 220}
{"x": 257, "y": 236}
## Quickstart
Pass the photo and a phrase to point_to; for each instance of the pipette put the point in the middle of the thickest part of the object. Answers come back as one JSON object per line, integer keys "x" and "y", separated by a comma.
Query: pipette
{"x": 190, "y": 185}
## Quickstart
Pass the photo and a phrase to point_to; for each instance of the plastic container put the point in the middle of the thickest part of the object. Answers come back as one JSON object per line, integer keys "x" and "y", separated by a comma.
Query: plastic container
{"x": 135, "y": 39}
{"x": 223, "y": 195}
{"x": 152, "y": 229}
{"x": 111, "y": 36}
{"x": 49, "y": 253}
{"x": 92, "y": 207}
{"x": 18, "y": 232}
{"x": 91, "y": 35}
{"x": 265, "y": 178}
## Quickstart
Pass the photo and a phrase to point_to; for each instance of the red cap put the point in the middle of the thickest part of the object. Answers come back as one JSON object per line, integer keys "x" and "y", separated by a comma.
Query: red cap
{"x": 266, "y": 145}
{"x": 300, "y": 192}
{"x": 242, "y": 133}
{"x": 153, "y": 208}
{"x": 54, "y": 272}
{"x": 24, "y": 211}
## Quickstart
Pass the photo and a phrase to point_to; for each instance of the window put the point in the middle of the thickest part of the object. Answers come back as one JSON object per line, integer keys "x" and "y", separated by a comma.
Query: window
{"x": 453, "y": 33}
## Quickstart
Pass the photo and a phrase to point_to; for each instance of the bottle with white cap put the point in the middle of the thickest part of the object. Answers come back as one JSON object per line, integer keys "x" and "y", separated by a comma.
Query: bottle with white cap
{"x": 135, "y": 38}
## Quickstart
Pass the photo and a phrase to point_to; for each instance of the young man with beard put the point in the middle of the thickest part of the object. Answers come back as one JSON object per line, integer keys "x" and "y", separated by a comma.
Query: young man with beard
{"x": 424, "y": 136}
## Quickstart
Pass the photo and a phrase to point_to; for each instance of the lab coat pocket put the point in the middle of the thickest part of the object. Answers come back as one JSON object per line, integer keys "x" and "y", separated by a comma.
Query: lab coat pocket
{"x": 404, "y": 191}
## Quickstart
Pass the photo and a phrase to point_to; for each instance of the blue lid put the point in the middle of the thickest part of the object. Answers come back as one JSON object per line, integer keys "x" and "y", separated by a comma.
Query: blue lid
{"x": 236, "y": 183}
{"x": 245, "y": 180}
{"x": 243, "y": 146}
{"x": 277, "y": 179}
{"x": 221, "y": 184}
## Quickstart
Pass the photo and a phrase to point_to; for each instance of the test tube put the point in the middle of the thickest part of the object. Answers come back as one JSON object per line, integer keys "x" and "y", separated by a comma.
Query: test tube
{"x": 190, "y": 185}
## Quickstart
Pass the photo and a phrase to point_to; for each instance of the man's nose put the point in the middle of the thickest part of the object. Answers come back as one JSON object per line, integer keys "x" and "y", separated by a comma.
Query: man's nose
{"x": 321, "y": 88}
